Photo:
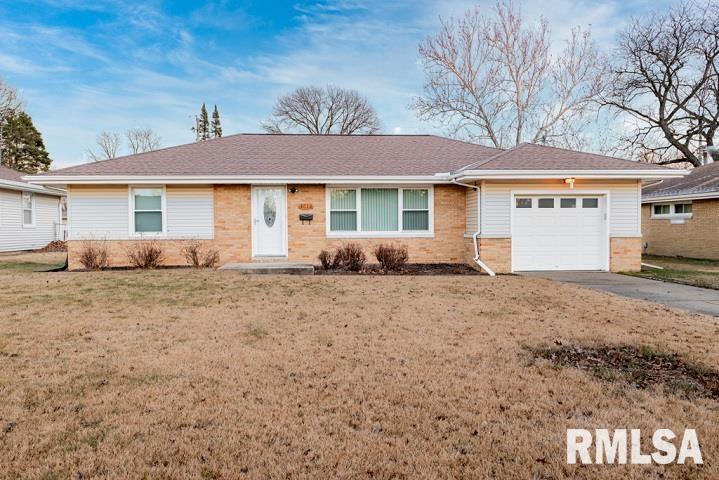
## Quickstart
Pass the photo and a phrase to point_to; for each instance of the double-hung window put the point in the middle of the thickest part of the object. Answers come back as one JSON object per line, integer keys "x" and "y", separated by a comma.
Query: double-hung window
{"x": 148, "y": 211}
{"x": 28, "y": 209}
{"x": 382, "y": 211}
{"x": 672, "y": 210}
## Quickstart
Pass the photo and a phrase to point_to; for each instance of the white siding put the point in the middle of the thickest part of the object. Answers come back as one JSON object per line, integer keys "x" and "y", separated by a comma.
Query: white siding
{"x": 190, "y": 212}
{"x": 472, "y": 210}
{"x": 624, "y": 209}
{"x": 100, "y": 213}
{"x": 103, "y": 212}
{"x": 13, "y": 236}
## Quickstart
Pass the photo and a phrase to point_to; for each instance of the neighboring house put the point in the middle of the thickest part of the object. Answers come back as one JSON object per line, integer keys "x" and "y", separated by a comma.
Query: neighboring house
{"x": 681, "y": 216}
{"x": 260, "y": 197}
{"x": 30, "y": 215}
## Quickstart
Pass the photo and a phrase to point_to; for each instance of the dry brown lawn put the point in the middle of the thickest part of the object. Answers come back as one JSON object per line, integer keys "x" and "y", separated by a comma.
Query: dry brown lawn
{"x": 204, "y": 374}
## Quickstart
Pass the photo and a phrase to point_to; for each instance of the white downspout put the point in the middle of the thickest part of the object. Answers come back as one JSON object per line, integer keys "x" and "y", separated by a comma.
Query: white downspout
{"x": 476, "y": 234}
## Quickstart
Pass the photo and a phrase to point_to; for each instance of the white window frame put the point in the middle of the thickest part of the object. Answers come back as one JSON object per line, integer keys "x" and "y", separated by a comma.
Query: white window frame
{"x": 400, "y": 233}
{"x": 32, "y": 209}
{"x": 672, "y": 210}
{"x": 163, "y": 205}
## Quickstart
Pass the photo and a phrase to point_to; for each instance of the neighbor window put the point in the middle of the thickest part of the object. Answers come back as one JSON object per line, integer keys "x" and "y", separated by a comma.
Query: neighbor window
{"x": 661, "y": 209}
{"x": 379, "y": 210}
{"x": 671, "y": 209}
{"x": 683, "y": 208}
{"x": 147, "y": 210}
{"x": 28, "y": 209}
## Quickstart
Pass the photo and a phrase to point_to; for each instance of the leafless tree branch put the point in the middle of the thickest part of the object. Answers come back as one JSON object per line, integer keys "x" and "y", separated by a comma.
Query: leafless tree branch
{"x": 491, "y": 78}
{"x": 109, "y": 147}
{"x": 142, "y": 140}
{"x": 322, "y": 111}
{"x": 667, "y": 82}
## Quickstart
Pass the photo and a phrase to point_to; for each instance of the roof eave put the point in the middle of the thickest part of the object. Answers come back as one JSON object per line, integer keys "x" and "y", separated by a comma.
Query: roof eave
{"x": 26, "y": 187}
{"x": 681, "y": 196}
{"x": 230, "y": 179}
{"x": 561, "y": 174}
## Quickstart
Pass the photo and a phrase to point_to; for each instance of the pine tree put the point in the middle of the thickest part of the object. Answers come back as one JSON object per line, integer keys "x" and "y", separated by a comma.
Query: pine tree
{"x": 204, "y": 127}
{"x": 216, "y": 127}
{"x": 22, "y": 147}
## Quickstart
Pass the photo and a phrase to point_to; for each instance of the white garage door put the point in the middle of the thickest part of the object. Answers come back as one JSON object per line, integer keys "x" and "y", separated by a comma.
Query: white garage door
{"x": 559, "y": 233}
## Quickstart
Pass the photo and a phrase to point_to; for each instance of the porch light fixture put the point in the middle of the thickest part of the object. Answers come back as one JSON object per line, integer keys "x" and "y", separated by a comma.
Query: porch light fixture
{"x": 570, "y": 182}
{"x": 293, "y": 189}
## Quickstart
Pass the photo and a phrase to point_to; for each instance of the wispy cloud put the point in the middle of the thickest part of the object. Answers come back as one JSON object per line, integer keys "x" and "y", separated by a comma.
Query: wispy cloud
{"x": 87, "y": 66}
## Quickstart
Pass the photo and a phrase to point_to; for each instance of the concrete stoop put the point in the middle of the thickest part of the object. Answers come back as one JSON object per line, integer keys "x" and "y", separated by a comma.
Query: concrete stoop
{"x": 271, "y": 268}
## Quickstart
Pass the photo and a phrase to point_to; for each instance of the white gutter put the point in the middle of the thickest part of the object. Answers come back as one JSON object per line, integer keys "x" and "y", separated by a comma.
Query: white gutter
{"x": 560, "y": 174}
{"x": 476, "y": 234}
{"x": 686, "y": 196}
{"x": 229, "y": 179}
{"x": 26, "y": 187}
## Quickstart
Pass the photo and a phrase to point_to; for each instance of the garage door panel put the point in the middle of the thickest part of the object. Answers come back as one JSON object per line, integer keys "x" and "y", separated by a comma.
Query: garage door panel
{"x": 570, "y": 238}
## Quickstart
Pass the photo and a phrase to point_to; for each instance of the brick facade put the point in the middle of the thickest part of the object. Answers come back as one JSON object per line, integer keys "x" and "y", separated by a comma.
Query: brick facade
{"x": 625, "y": 254}
{"x": 233, "y": 234}
{"x": 695, "y": 238}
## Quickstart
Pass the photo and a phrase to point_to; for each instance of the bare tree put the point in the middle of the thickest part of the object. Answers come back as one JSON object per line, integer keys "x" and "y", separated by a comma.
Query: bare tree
{"x": 322, "y": 111}
{"x": 108, "y": 144}
{"x": 667, "y": 82}
{"x": 492, "y": 79}
{"x": 10, "y": 104}
{"x": 142, "y": 140}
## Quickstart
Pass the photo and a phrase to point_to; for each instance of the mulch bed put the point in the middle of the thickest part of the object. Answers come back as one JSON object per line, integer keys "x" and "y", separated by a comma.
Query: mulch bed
{"x": 54, "y": 246}
{"x": 409, "y": 269}
{"x": 640, "y": 367}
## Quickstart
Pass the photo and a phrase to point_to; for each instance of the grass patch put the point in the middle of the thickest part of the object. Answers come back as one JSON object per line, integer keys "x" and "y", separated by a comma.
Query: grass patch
{"x": 641, "y": 367}
{"x": 695, "y": 278}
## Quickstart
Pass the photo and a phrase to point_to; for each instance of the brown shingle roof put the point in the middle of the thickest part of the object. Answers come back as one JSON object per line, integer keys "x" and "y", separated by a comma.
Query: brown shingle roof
{"x": 530, "y": 156}
{"x": 341, "y": 155}
{"x": 704, "y": 179}
{"x": 10, "y": 174}
{"x": 312, "y": 155}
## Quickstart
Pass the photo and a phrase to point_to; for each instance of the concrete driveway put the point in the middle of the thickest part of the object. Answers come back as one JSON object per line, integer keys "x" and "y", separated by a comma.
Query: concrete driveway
{"x": 685, "y": 297}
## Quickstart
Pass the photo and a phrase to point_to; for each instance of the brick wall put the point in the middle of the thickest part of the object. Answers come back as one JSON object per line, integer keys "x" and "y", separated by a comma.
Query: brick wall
{"x": 118, "y": 249}
{"x": 697, "y": 237}
{"x": 233, "y": 230}
{"x": 306, "y": 241}
{"x": 496, "y": 253}
{"x": 625, "y": 254}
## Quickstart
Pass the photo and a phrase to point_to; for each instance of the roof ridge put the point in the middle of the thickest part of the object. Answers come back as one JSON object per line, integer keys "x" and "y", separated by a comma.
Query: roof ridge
{"x": 485, "y": 161}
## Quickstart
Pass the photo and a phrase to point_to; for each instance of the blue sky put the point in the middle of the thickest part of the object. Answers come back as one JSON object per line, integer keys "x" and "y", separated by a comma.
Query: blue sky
{"x": 85, "y": 66}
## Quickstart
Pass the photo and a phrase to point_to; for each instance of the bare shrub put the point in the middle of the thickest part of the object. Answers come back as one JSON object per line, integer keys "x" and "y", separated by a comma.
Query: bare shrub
{"x": 146, "y": 254}
{"x": 391, "y": 257}
{"x": 325, "y": 259}
{"x": 198, "y": 257}
{"x": 349, "y": 257}
{"x": 93, "y": 255}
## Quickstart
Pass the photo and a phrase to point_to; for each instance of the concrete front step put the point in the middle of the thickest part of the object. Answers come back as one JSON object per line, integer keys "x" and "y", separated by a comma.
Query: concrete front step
{"x": 271, "y": 268}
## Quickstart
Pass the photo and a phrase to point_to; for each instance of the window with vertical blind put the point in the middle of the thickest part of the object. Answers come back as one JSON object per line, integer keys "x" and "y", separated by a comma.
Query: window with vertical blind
{"x": 379, "y": 211}
{"x": 148, "y": 216}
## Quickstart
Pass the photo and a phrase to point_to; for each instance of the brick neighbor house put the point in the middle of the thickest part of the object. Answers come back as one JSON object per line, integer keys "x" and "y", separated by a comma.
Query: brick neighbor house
{"x": 680, "y": 216}
{"x": 260, "y": 197}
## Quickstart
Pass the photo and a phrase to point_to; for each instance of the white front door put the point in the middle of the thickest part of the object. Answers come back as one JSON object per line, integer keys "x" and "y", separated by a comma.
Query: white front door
{"x": 269, "y": 221}
{"x": 559, "y": 232}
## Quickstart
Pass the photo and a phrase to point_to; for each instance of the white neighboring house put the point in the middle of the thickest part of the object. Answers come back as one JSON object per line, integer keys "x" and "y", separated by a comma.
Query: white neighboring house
{"x": 31, "y": 216}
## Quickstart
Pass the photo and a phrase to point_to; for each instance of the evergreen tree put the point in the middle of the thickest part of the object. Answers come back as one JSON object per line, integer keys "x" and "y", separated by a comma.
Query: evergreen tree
{"x": 22, "y": 145}
{"x": 204, "y": 123}
{"x": 216, "y": 127}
